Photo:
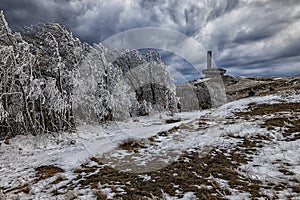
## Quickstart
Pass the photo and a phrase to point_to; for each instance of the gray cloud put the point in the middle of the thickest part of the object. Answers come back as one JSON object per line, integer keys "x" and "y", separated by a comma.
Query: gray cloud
{"x": 253, "y": 36}
{"x": 248, "y": 37}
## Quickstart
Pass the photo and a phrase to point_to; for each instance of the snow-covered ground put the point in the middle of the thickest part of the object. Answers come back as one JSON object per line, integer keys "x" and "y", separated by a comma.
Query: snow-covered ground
{"x": 23, "y": 154}
{"x": 274, "y": 160}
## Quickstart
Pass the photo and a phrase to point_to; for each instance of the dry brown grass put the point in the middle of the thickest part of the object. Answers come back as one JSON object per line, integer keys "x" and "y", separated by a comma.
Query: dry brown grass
{"x": 189, "y": 176}
{"x": 47, "y": 171}
{"x": 58, "y": 180}
{"x": 284, "y": 115}
{"x": 260, "y": 86}
{"x": 19, "y": 189}
{"x": 131, "y": 145}
{"x": 42, "y": 173}
{"x": 171, "y": 121}
{"x": 100, "y": 196}
{"x": 168, "y": 132}
{"x": 267, "y": 109}
{"x": 285, "y": 171}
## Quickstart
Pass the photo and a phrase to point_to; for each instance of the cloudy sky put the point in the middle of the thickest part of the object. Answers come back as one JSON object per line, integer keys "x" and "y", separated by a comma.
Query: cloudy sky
{"x": 247, "y": 37}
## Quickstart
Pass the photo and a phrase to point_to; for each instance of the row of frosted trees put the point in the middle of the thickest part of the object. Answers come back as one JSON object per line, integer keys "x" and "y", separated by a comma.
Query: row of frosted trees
{"x": 50, "y": 81}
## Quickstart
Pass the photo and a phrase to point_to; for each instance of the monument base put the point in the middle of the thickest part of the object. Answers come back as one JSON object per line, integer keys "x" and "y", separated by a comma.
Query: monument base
{"x": 213, "y": 72}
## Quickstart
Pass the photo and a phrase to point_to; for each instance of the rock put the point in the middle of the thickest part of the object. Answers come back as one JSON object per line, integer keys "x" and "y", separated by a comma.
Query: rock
{"x": 251, "y": 93}
{"x": 72, "y": 142}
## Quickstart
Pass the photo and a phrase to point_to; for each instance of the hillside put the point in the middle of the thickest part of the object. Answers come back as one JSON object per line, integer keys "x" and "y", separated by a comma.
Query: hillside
{"x": 212, "y": 92}
{"x": 245, "y": 149}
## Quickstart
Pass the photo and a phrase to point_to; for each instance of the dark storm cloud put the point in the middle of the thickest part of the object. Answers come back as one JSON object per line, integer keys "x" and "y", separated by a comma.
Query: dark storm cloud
{"x": 27, "y": 12}
{"x": 255, "y": 37}
{"x": 92, "y": 21}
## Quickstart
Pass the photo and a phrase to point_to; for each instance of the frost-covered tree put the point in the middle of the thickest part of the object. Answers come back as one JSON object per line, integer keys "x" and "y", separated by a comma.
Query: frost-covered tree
{"x": 129, "y": 60}
{"x": 49, "y": 80}
{"x": 37, "y": 70}
{"x": 16, "y": 75}
{"x": 59, "y": 57}
{"x": 100, "y": 93}
{"x": 150, "y": 79}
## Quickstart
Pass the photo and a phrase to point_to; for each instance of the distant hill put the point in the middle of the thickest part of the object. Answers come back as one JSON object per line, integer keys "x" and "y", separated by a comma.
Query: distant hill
{"x": 211, "y": 92}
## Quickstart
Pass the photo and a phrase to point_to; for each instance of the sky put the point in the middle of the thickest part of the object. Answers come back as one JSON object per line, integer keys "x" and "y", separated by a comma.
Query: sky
{"x": 247, "y": 37}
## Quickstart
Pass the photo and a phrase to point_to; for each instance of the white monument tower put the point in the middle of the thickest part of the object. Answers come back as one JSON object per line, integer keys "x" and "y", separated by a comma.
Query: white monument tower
{"x": 210, "y": 72}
